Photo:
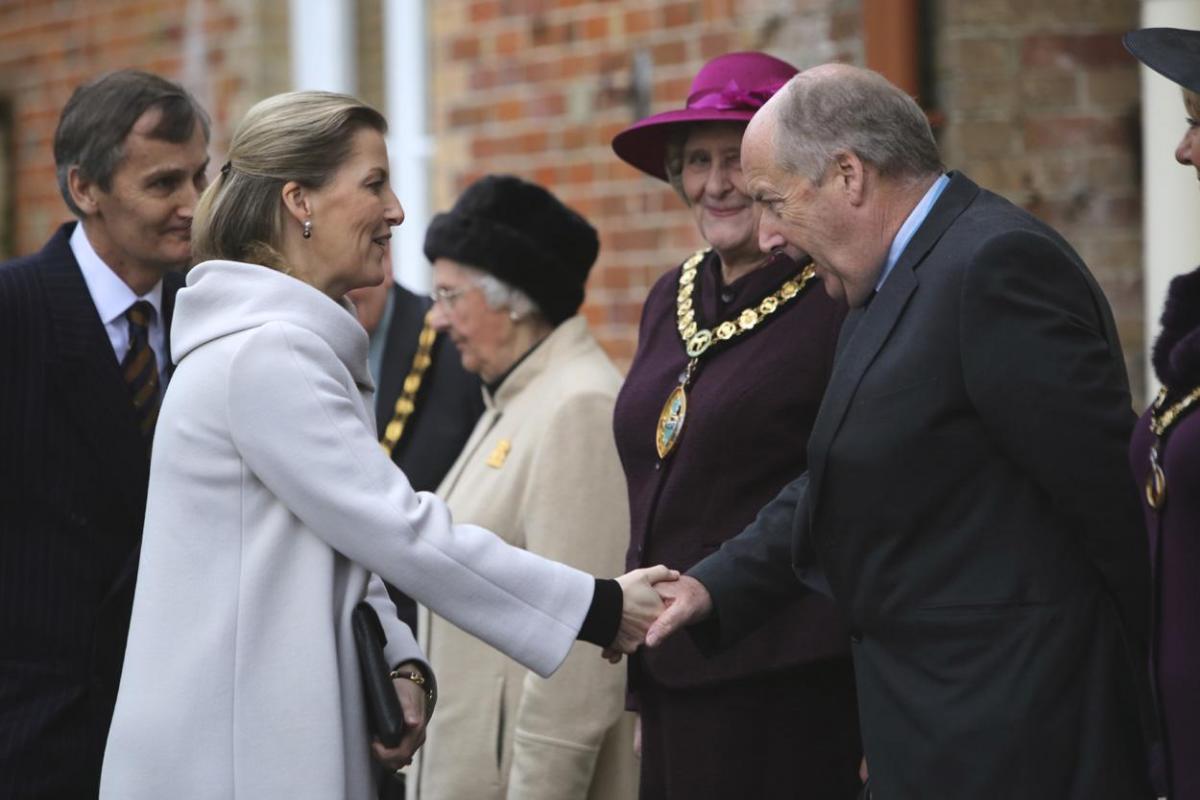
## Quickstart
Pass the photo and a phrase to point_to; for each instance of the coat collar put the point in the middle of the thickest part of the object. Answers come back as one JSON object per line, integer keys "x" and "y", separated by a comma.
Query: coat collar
{"x": 867, "y": 329}
{"x": 1176, "y": 355}
{"x": 567, "y": 339}
{"x": 227, "y": 297}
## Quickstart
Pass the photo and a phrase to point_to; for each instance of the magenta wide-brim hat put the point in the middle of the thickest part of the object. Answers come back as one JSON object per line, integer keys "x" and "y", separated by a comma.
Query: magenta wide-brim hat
{"x": 730, "y": 88}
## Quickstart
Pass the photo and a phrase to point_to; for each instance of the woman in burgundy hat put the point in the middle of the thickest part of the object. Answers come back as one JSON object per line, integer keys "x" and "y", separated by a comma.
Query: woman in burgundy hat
{"x": 734, "y": 351}
{"x": 1165, "y": 454}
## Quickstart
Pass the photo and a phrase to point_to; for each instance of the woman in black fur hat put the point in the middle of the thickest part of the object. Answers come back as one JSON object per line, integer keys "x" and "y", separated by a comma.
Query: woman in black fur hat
{"x": 1165, "y": 454}
{"x": 541, "y": 470}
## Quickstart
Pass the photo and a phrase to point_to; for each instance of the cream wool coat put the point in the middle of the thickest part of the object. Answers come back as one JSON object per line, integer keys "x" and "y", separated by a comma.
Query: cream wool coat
{"x": 541, "y": 470}
{"x": 270, "y": 504}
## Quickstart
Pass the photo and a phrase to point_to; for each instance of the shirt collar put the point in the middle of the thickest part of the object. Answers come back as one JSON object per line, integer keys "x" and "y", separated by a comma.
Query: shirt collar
{"x": 910, "y": 226}
{"x": 111, "y": 295}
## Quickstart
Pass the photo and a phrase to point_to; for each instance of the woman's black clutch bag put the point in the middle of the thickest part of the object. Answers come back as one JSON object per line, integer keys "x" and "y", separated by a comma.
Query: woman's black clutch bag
{"x": 384, "y": 715}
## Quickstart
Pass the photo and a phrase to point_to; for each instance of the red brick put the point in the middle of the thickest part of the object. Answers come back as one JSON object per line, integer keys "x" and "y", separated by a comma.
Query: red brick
{"x": 635, "y": 239}
{"x": 464, "y": 48}
{"x": 673, "y": 52}
{"x": 547, "y": 105}
{"x": 576, "y": 136}
{"x": 715, "y": 44}
{"x": 640, "y": 21}
{"x": 1061, "y": 133}
{"x": 579, "y": 173}
{"x": 508, "y": 43}
{"x": 467, "y": 116}
{"x": 595, "y": 28}
{"x": 484, "y": 10}
{"x": 679, "y": 14}
{"x": 509, "y": 110}
{"x": 543, "y": 34}
{"x": 1070, "y": 51}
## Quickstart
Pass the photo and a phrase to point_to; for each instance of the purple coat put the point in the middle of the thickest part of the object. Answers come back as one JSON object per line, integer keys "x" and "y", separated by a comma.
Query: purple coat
{"x": 1175, "y": 539}
{"x": 751, "y": 406}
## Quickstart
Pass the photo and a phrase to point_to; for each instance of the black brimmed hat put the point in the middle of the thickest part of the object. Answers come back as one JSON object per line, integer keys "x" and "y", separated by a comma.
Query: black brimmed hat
{"x": 1172, "y": 52}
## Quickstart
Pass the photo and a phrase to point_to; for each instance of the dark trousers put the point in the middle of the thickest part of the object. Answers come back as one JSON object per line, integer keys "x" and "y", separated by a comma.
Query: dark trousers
{"x": 785, "y": 736}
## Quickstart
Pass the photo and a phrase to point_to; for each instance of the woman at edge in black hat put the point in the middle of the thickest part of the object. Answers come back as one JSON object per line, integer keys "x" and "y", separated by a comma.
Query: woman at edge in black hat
{"x": 713, "y": 420}
{"x": 541, "y": 470}
{"x": 1165, "y": 456}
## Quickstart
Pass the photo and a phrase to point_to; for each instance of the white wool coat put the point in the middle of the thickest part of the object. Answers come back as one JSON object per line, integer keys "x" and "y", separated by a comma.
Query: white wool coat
{"x": 270, "y": 505}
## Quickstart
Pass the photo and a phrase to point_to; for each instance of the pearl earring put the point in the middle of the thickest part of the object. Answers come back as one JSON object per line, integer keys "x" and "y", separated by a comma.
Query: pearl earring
{"x": 307, "y": 231}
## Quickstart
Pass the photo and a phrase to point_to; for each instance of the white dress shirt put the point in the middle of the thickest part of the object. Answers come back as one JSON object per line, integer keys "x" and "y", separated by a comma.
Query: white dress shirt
{"x": 113, "y": 297}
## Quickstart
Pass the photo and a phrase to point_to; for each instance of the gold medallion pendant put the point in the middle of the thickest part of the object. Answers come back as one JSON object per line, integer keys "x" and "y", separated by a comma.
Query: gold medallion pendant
{"x": 670, "y": 421}
{"x": 1156, "y": 487}
{"x": 1161, "y": 420}
{"x": 697, "y": 340}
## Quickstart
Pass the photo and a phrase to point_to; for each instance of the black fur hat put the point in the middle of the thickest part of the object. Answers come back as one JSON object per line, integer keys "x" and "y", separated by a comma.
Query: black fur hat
{"x": 523, "y": 235}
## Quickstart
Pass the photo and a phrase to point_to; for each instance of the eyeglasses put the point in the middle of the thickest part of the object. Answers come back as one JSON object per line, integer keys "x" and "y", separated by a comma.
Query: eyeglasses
{"x": 447, "y": 296}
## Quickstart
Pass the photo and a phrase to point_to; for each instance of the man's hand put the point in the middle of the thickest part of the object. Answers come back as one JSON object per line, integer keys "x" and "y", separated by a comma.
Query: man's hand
{"x": 686, "y": 600}
{"x": 412, "y": 702}
{"x": 641, "y": 606}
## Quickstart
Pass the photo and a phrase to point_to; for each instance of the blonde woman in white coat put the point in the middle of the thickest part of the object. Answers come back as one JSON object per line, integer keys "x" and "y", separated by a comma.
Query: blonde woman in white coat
{"x": 541, "y": 470}
{"x": 271, "y": 504}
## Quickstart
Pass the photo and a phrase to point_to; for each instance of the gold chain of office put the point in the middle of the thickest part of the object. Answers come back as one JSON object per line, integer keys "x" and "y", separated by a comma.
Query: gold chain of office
{"x": 697, "y": 340}
{"x": 406, "y": 403}
{"x": 1160, "y": 421}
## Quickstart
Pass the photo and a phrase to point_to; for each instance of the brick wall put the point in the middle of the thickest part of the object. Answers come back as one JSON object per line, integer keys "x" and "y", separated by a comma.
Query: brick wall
{"x": 1038, "y": 99}
{"x": 538, "y": 88}
{"x": 1041, "y": 105}
{"x": 1038, "y": 102}
{"x": 46, "y": 49}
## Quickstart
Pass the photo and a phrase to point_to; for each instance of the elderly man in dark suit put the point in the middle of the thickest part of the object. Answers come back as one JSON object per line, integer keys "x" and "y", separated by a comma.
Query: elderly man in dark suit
{"x": 85, "y": 355}
{"x": 967, "y": 500}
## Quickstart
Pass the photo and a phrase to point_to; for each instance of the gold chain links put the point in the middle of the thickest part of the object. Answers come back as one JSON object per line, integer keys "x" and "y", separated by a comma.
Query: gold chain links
{"x": 696, "y": 339}
{"x": 1161, "y": 420}
{"x": 406, "y": 403}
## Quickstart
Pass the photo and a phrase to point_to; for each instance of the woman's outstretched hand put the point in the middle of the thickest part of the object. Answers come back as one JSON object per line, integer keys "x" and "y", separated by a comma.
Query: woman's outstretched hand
{"x": 641, "y": 606}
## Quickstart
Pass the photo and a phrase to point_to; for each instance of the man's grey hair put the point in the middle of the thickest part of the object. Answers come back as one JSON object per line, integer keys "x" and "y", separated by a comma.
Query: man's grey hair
{"x": 856, "y": 111}
{"x": 95, "y": 121}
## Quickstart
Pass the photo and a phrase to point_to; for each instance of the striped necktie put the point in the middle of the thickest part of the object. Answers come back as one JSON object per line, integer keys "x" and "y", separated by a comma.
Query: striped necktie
{"x": 140, "y": 368}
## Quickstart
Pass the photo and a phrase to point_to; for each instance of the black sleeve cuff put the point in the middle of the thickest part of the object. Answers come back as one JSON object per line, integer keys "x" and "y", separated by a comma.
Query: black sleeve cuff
{"x": 604, "y": 615}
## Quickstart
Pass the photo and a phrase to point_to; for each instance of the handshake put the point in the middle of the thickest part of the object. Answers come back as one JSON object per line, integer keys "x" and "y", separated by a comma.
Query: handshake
{"x": 657, "y": 601}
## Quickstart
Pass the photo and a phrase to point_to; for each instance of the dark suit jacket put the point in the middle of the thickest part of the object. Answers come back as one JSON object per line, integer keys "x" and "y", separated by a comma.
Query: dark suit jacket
{"x": 449, "y": 402}
{"x": 968, "y": 501}
{"x": 73, "y": 475}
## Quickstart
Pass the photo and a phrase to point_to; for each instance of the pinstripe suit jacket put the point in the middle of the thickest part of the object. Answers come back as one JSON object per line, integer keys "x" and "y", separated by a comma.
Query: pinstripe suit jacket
{"x": 73, "y": 474}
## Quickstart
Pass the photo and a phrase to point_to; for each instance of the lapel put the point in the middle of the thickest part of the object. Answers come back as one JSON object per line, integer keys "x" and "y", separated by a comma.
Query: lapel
{"x": 172, "y": 283}
{"x": 867, "y": 329}
{"x": 87, "y": 377}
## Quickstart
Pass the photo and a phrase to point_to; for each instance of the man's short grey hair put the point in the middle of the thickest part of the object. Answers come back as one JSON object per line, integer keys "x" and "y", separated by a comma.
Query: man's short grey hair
{"x": 99, "y": 116}
{"x": 501, "y": 295}
{"x": 856, "y": 111}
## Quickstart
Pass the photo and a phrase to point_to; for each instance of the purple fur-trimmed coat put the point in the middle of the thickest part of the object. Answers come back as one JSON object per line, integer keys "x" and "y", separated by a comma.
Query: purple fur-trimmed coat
{"x": 1175, "y": 540}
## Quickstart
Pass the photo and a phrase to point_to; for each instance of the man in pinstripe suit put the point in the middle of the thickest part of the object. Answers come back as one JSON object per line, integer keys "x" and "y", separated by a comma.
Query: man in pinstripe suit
{"x": 84, "y": 356}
